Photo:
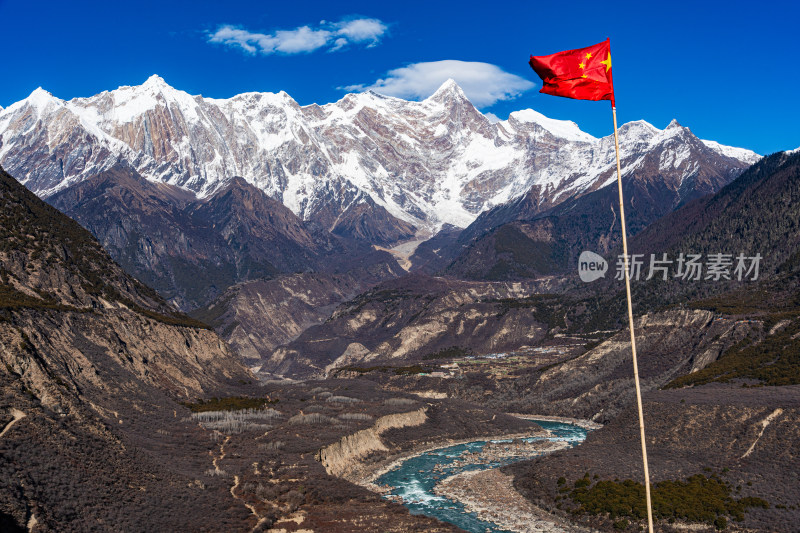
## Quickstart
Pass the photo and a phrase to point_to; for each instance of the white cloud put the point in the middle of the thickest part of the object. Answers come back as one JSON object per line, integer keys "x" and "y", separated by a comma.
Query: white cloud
{"x": 304, "y": 39}
{"x": 362, "y": 30}
{"x": 483, "y": 83}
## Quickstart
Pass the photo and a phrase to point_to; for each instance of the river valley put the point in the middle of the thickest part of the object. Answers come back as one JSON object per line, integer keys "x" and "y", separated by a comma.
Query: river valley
{"x": 428, "y": 483}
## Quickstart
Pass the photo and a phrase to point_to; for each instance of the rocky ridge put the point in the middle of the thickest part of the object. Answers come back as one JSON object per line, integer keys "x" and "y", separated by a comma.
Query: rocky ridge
{"x": 191, "y": 250}
{"x": 256, "y": 317}
{"x": 403, "y": 320}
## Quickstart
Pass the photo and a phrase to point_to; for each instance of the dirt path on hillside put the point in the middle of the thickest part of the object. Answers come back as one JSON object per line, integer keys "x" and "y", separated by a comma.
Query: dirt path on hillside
{"x": 18, "y": 415}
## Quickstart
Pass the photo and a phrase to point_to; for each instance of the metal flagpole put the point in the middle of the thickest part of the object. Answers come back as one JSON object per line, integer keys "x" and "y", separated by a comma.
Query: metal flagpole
{"x": 633, "y": 337}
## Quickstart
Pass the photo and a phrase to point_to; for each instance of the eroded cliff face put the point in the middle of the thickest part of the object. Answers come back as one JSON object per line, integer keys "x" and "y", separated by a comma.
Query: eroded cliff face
{"x": 597, "y": 384}
{"x": 343, "y": 458}
{"x": 256, "y": 317}
{"x": 120, "y": 354}
{"x": 71, "y": 316}
{"x": 404, "y": 320}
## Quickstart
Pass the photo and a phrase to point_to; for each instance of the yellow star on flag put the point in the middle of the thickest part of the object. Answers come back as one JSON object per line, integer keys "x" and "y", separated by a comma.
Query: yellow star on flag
{"x": 607, "y": 62}
{"x": 581, "y": 65}
{"x": 589, "y": 55}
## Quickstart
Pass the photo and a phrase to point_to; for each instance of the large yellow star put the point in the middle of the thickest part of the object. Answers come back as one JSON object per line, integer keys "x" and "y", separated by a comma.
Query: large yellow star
{"x": 607, "y": 62}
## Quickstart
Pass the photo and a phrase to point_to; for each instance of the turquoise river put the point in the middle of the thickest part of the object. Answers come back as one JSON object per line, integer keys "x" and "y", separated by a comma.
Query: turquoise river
{"x": 413, "y": 480}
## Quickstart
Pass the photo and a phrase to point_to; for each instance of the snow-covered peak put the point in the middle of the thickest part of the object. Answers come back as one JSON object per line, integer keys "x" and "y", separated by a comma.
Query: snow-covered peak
{"x": 565, "y": 129}
{"x": 640, "y": 135}
{"x": 252, "y": 100}
{"x": 640, "y": 128}
{"x": 674, "y": 124}
{"x": 156, "y": 86}
{"x": 131, "y": 102}
{"x": 643, "y": 133}
{"x": 40, "y": 99}
{"x": 448, "y": 89}
{"x": 426, "y": 162}
{"x": 155, "y": 82}
{"x": 373, "y": 95}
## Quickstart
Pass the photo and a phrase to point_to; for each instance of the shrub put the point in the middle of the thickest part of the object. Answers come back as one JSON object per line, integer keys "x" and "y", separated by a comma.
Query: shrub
{"x": 697, "y": 499}
{"x": 237, "y": 421}
{"x": 355, "y": 416}
{"x": 272, "y": 445}
{"x": 342, "y": 399}
{"x": 448, "y": 353}
{"x": 230, "y": 403}
{"x": 312, "y": 418}
{"x": 399, "y": 402}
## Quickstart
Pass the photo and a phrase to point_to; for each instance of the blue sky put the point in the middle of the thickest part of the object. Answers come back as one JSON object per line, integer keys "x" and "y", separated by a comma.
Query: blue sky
{"x": 728, "y": 70}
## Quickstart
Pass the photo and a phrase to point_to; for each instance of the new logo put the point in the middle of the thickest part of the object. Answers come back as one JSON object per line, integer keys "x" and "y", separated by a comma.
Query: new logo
{"x": 591, "y": 266}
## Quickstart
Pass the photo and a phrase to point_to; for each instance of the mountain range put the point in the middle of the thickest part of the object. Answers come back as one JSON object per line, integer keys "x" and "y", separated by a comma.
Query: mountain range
{"x": 369, "y": 166}
{"x": 192, "y": 195}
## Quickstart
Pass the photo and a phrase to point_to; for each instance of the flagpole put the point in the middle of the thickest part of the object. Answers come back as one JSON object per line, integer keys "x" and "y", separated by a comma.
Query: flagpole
{"x": 630, "y": 323}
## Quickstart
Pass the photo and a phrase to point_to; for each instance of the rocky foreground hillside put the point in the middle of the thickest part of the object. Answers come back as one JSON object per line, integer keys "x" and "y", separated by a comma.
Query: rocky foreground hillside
{"x": 63, "y": 296}
{"x": 745, "y": 440}
{"x": 91, "y": 359}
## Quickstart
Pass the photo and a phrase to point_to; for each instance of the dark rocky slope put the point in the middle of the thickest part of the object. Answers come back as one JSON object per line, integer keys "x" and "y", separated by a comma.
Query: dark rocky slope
{"x": 191, "y": 250}
{"x": 255, "y": 317}
{"x": 93, "y": 362}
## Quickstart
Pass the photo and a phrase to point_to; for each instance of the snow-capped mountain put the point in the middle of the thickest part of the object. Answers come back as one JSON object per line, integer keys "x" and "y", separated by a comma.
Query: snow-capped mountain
{"x": 364, "y": 157}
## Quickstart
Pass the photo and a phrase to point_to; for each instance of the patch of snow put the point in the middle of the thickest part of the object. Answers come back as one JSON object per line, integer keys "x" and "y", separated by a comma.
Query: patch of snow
{"x": 672, "y": 158}
{"x": 566, "y": 129}
{"x": 742, "y": 154}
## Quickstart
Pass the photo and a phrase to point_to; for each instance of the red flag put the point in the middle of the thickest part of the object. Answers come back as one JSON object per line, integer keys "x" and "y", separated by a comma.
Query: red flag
{"x": 583, "y": 74}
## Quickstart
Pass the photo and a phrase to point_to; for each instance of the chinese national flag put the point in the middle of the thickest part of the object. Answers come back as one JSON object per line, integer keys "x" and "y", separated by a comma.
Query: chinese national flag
{"x": 583, "y": 74}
